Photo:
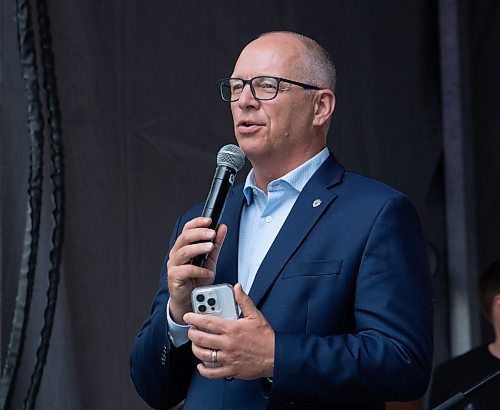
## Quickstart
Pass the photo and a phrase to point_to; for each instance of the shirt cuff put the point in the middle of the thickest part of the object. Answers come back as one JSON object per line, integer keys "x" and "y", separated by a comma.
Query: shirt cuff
{"x": 178, "y": 334}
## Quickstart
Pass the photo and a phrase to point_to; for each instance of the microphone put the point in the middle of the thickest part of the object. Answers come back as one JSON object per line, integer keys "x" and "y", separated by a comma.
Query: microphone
{"x": 230, "y": 160}
{"x": 462, "y": 396}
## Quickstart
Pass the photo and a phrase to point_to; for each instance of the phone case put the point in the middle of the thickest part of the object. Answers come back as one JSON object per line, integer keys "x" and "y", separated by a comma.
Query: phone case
{"x": 217, "y": 300}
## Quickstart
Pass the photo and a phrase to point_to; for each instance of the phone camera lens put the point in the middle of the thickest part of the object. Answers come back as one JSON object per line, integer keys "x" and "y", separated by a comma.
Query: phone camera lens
{"x": 211, "y": 301}
{"x": 202, "y": 308}
{"x": 200, "y": 298}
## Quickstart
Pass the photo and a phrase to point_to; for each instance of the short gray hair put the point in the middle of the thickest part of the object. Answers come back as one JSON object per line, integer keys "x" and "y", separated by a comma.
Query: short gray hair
{"x": 318, "y": 66}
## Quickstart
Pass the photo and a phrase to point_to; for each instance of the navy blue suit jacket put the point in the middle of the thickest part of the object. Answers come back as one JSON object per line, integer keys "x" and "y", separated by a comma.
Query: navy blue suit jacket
{"x": 346, "y": 288}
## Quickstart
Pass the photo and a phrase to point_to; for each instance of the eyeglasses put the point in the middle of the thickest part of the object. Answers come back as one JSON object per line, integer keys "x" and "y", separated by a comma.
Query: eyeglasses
{"x": 262, "y": 87}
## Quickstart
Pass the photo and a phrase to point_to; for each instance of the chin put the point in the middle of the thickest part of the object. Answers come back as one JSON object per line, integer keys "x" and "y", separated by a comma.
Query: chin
{"x": 255, "y": 147}
{"x": 247, "y": 144}
{"x": 257, "y": 156}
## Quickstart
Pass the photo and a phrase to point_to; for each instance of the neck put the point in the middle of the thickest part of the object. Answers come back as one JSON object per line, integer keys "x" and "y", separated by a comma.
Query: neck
{"x": 263, "y": 177}
{"x": 275, "y": 167}
{"x": 494, "y": 347}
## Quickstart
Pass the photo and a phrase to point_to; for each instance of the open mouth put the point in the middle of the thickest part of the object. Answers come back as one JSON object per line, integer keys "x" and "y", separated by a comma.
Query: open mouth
{"x": 248, "y": 126}
{"x": 246, "y": 123}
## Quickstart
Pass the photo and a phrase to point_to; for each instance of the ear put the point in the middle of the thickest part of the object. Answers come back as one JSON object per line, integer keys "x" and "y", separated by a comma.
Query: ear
{"x": 324, "y": 105}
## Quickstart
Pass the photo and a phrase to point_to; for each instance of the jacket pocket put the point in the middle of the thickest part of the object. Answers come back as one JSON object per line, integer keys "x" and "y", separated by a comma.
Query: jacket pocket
{"x": 312, "y": 268}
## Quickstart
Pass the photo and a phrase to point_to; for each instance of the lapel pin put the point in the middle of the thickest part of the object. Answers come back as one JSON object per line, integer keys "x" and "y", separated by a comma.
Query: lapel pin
{"x": 316, "y": 203}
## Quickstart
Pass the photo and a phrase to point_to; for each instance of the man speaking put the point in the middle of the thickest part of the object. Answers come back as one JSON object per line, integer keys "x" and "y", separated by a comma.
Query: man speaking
{"x": 330, "y": 267}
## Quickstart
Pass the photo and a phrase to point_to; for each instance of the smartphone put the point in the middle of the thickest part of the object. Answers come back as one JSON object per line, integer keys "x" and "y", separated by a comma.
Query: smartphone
{"x": 217, "y": 300}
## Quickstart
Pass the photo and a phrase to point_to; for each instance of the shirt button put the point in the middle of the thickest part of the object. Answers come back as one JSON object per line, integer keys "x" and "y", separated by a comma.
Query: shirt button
{"x": 269, "y": 219}
{"x": 254, "y": 191}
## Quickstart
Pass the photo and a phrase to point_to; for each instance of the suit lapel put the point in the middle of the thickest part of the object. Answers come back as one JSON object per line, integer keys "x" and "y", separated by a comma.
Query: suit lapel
{"x": 227, "y": 266}
{"x": 313, "y": 201}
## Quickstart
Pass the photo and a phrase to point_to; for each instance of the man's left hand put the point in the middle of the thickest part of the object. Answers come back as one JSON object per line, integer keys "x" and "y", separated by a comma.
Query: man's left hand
{"x": 245, "y": 347}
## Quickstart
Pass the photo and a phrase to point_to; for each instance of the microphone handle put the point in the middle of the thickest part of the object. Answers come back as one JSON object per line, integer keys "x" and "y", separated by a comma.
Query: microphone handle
{"x": 216, "y": 200}
{"x": 451, "y": 402}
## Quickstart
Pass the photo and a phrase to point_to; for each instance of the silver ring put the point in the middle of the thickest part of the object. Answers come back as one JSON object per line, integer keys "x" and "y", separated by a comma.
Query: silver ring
{"x": 213, "y": 363}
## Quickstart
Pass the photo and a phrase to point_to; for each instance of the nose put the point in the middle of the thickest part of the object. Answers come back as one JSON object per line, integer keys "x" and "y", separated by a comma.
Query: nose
{"x": 246, "y": 98}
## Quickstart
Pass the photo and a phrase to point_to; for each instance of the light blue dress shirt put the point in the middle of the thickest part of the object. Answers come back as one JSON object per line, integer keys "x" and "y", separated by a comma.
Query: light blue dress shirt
{"x": 263, "y": 216}
{"x": 261, "y": 219}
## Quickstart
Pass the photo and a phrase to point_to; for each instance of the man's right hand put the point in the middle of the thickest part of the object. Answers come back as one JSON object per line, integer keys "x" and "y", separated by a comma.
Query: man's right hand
{"x": 181, "y": 275}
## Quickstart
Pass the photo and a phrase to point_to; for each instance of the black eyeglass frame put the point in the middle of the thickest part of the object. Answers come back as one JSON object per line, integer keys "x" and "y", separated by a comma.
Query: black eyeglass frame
{"x": 278, "y": 81}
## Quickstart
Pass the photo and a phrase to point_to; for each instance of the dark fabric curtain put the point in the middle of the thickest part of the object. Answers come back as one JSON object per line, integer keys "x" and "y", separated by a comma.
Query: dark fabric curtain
{"x": 142, "y": 124}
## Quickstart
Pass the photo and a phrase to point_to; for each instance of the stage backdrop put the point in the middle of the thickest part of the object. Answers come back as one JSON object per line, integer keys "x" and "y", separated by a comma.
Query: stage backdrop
{"x": 142, "y": 123}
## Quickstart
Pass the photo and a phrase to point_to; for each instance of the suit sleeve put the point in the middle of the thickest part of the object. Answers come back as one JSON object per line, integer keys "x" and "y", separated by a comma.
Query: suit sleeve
{"x": 388, "y": 355}
{"x": 160, "y": 372}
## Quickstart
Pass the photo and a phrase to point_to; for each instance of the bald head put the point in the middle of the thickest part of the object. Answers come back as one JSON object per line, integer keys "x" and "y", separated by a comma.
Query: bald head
{"x": 316, "y": 66}
{"x": 280, "y": 133}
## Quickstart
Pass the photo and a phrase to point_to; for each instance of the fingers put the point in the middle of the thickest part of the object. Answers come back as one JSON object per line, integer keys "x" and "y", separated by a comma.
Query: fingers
{"x": 188, "y": 251}
{"x": 224, "y": 366}
{"x": 207, "y": 324}
{"x": 195, "y": 239}
{"x": 185, "y": 272}
{"x": 181, "y": 282}
{"x": 214, "y": 373}
{"x": 221, "y": 235}
{"x": 243, "y": 300}
{"x": 205, "y": 354}
{"x": 198, "y": 222}
{"x": 204, "y": 344}
{"x": 245, "y": 347}
{"x": 211, "y": 261}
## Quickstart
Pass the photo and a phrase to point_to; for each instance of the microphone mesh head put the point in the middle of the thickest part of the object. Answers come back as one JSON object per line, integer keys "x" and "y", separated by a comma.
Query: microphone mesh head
{"x": 231, "y": 156}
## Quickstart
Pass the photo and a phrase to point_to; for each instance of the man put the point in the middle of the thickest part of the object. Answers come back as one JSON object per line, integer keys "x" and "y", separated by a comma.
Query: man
{"x": 333, "y": 282}
{"x": 463, "y": 372}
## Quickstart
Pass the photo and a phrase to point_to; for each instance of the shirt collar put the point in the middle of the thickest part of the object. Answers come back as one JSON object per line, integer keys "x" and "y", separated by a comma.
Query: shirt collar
{"x": 297, "y": 178}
